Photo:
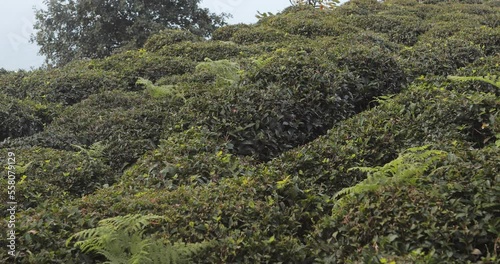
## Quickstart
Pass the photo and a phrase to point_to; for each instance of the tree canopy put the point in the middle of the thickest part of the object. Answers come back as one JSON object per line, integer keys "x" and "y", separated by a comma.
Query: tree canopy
{"x": 73, "y": 29}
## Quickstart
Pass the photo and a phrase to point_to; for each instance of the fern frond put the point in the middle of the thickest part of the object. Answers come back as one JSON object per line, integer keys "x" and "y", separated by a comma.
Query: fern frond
{"x": 491, "y": 79}
{"x": 121, "y": 239}
{"x": 226, "y": 72}
{"x": 95, "y": 150}
{"x": 187, "y": 250}
{"x": 407, "y": 168}
{"x": 162, "y": 90}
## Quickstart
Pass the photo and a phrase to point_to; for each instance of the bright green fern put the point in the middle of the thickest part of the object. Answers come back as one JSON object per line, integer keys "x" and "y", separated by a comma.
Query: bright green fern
{"x": 122, "y": 240}
{"x": 491, "y": 79}
{"x": 225, "y": 71}
{"x": 161, "y": 91}
{"x": 407, "y": 168}
{"x": 96, "y": 150}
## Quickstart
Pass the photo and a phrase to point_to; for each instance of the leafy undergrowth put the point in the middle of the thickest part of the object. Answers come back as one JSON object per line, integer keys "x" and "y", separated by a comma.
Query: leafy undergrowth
{"x": 369, "y": 133}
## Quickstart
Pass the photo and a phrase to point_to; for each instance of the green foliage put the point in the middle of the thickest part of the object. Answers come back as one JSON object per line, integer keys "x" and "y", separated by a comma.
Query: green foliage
{"x": 45, "y": 173}
{"x": 253, "y": 35}
{"x": 406, "y": 169}
{"x": 447, "y": 217}
{"x": 122, "y": 240}
{"x": 145, "y": 64}
{"x": 95, "y": 151}
{"x": 112, "y": 118}
{"x": 67, "y": 85}
{"x": 160, "y": 91}
{"x": 245, "y": 139}
{"x": 309, "y": 22}
{"x": 491, "y": 79}
{"x": 199, "y": 51}
{"x": 193, "y": 157}
{"x": 440, "y": 56}
{"x": 169, "y": 37}
{"x": 225, "y": 33}
{"x": 75, "y": 30}
{"x": 375, "y": 137}
{"x": 22, "y": 118}
{"x": 226, "y": 72}
{"x": 316, "y": 3}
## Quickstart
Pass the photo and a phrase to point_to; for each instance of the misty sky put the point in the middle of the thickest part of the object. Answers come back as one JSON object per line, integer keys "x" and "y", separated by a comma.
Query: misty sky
{"x": 17, "y": 18}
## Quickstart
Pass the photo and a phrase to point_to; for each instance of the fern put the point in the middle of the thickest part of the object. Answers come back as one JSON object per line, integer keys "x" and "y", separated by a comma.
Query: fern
{"x": 407, "y": 168}
{"x": 225, "y": 71}
{"x": 96, "y": 150}
{"x": 121, "y": 240}
{"x": 491, "y": 79}
{"x": 161, "y": 91}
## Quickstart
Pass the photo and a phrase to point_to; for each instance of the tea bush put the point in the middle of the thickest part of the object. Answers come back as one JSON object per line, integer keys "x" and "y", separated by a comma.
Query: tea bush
{"x": 439, "y": 56}
{"x": 198, "y": 51}
{"x": 225, "y": 33}
{"x": 190, "y": 157}
{"x": 111, "y": 118}
{"x": 448, "y": 215}
{"x": 10, "y": 83}
{"x": 43, "y": 173}
{"x": 169, "y": 37}
{"x": 145, "y": 64}
{"x": 245, "y": 140}
{"x": 309, "y": 22}
{"x": 22, "y": 117}
{"x": 39, "y": 231}
{"x": 375, "y": 137}
{"x": 402, "y": 29}
{"x": 70, "y": 84}
{"x": 257, "y": 35}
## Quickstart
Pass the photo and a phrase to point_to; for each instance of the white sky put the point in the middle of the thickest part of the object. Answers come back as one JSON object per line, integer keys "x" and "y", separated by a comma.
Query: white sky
{"x": 17, "y": 18}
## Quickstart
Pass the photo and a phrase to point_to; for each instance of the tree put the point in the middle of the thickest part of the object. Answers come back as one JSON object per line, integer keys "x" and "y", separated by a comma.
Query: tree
{"x": 75, "y": 29}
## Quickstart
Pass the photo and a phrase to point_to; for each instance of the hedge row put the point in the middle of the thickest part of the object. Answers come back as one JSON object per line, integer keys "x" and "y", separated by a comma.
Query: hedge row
{"x": 43, "y": 174}
{"x": 22, "y": 118}
{"x": 125, "y": 124}
{"x": 276, "y": 212}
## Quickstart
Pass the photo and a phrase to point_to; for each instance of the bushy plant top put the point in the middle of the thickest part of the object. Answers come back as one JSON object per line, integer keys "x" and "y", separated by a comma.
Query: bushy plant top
{"x": 244, "y": 140}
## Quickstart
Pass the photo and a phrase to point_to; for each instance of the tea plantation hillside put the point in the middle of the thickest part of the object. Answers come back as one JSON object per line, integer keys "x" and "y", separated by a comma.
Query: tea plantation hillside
{"x": 366, "y": 133}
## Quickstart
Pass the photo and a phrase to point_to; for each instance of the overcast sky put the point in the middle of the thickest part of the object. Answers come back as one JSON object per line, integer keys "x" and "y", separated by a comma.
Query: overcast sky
{"x": 17, "y": 18}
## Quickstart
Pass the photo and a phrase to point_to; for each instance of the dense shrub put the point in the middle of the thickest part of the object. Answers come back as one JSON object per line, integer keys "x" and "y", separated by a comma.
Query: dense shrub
{"x": 125, "y": 124}
{"x": 70, "y": 84}
{"x": 266, "y": 122}
{"x": 22, "y": 117}
{"x": 190, "y": 157}
{"x": 439, "y": 56}
{"x": 368, "y": 71}
{"x": 447, "y": 215}
{"x": 41, "y": 232}
{"x": 181, "y": 128}
{"x": 443, "y": 30}
{"x": 308, "y": 22}
{"x": 361, "y": 7}
{"x": 487, "y": 38}
{"x": 43, "y": 174}
{"x": 483, "y": 67}
{"x": 225, "y": 33}
{"x": 252, "y": 35}
{"x": 145, "y": 65}
{"x": 10, "y": 84}
{"x": 169, "y": 37}
{"x": 199, "y": 51}
{"x": 417, "y": 117}
{"x": 402, "y": 29}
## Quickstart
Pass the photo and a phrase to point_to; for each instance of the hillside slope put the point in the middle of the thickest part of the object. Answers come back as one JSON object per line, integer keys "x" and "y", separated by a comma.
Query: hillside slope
{"x": 312, "y": 136}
